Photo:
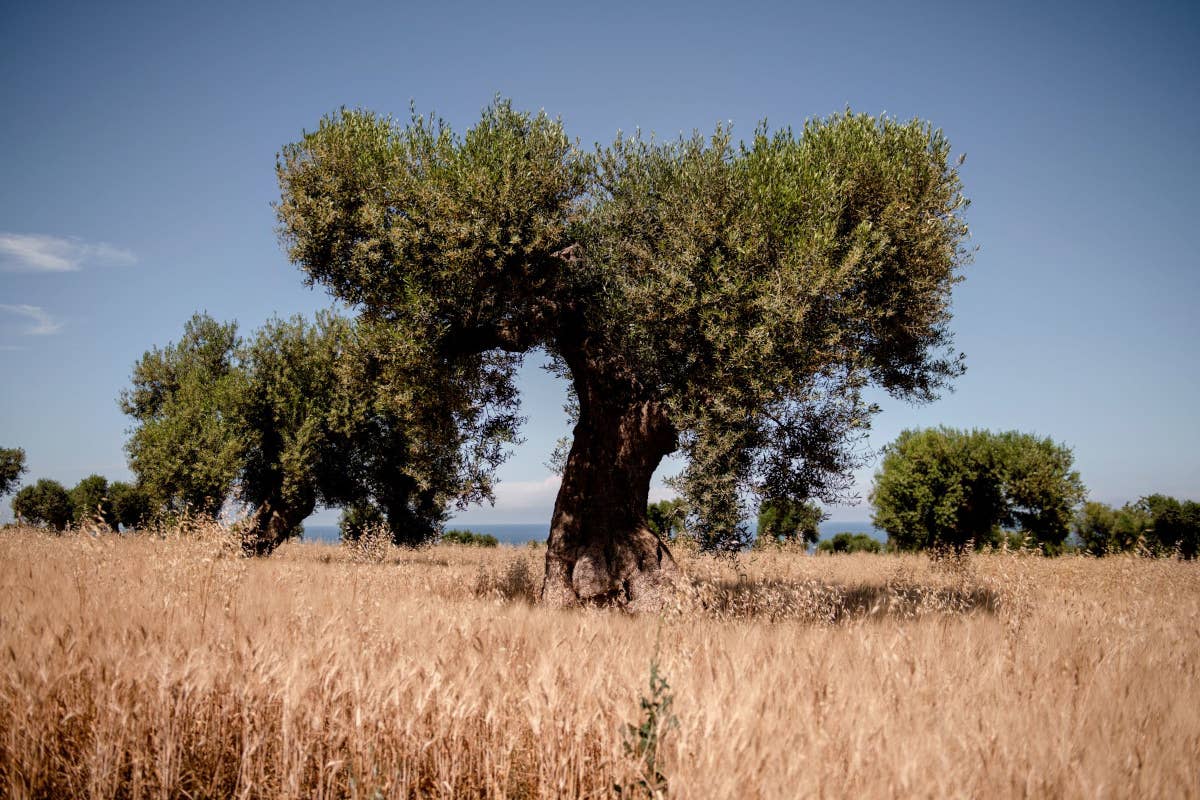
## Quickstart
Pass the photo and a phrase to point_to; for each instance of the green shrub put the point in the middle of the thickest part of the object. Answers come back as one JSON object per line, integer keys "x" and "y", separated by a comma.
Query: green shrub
{"x": 469, "y": 538}
{"x": 849, "y": 543}
{"x": 781, "y": 520}
{"x": 358, "y": 518}
{"x": 944, "y": 487}
{"x": 132, "y": 506}
{"x": 1156, "y": 524}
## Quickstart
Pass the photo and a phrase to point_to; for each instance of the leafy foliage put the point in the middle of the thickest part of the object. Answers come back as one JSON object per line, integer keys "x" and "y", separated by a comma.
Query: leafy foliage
{"x": 132, "y": 506}
{"x": 642, "y": 741}
{"x": 44, "y": 503}
{"x": 12, "y": 466}
{"x": 1155, "y": 524}
{"x": 745, "y": 293}
{"x": 943, "y": 487}
{"x": 288, "y": 412}
{"x": 187, "y": 444}
{"x": 304, "y": 413}
{"x": 846, "y": 542}
{"x": 667, "y": 518}
{"x": 783, "y": 521}
{"x": 1174, "y": 524}
{"x": 357, "y": 519}
{"x": 416, "y": 443}
{"x": 90, "y": 502}
{"x": 470, "y": 538}
{"x": 1103, "y": 530}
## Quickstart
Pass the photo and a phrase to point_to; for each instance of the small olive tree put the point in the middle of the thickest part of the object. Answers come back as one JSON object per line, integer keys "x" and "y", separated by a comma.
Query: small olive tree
{"x": 942, "y": 487}
{"x": 44, "y": 503}
{"x": 91, "y": 503}
{"x": 132, "y": 506}
{"x": 783, "y": 521}
{"x": 186, "y": 446}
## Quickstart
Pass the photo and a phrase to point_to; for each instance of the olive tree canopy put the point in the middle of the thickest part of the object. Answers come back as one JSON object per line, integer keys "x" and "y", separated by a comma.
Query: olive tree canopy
{"x": 43, "y": 503}
{"x": 730, "y": 300}
{"x": 185, "y": 447}
{"x": 12, "y": 466}
{"x": 90, "y": 503}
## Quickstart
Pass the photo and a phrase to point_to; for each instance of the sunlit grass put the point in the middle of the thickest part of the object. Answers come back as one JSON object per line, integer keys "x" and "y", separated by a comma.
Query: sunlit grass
{"x": 170, "y": 667}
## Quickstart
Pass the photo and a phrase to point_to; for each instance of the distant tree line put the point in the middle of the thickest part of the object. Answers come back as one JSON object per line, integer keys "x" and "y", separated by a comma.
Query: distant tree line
{"x": 850, "y": 543}
{"x": 93, "y": 501}
{"x": 470, "y": 538}
{"x": 1156, "y": 524}
{"x": 295, "y": 416}
{"x": 949, "y": 488}
{"x": 944, "y": 488}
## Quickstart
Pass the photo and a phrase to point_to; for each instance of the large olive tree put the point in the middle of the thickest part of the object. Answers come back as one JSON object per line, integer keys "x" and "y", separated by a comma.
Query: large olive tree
{"x": 728, "y": 299}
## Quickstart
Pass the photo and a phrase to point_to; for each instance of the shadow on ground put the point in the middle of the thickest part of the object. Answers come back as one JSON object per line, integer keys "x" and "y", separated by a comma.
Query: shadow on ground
{"x": 779, "y": 600}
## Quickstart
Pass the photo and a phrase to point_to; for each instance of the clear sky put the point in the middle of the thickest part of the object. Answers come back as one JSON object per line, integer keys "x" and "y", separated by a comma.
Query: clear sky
{"x": 138, "y": 142}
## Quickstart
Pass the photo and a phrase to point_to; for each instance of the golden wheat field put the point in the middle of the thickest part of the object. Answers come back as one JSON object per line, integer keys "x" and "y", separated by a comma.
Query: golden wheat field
{"x": 169, "y": 667}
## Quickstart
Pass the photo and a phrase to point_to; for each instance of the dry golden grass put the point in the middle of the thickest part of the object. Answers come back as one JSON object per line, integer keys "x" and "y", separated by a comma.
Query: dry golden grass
{"x": 142, "y": 667}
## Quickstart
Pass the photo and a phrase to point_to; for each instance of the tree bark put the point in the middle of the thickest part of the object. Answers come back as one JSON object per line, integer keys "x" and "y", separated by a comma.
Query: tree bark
{"x": 601, "y": 550}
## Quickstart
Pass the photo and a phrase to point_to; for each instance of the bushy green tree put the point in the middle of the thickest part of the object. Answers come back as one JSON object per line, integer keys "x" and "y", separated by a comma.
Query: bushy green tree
{"x": 132, "y": 506}
{"x": 1155, "y": 524}
{"x": 1174, "y": 524}
{"x": 12, "y": 466}
{"x": 470, "y": 538}
{"x": 667, "y": 518}
{"x": 187, "y": 443}
{"x": 781, "y": 521}
{"x": 357, "y": 519}
{"x": 938, "y": 487}
{"x": 846, "y": 542}
{"x": 415, "y": 445}
{"x": 730, "y": 300}
{"x": 304, "y": 413}
{"x": 1041, "y": 488}
{"x": 286, "y": 414}
{"x": 90, "y": 502}
{"x": 943, "y": 487}
{"x": 44, "y": 503}
{"x": 1104, "y": 530}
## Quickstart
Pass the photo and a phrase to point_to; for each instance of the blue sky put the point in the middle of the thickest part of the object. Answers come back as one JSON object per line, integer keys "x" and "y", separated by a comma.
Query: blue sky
{"x": 139, "y": 141}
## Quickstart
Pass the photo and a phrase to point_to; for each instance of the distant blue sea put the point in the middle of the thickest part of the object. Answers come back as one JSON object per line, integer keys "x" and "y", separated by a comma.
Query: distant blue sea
{"x": 524, "y": 532}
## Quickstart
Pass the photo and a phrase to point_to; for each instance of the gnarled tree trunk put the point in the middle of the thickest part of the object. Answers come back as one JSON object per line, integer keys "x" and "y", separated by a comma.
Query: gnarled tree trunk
{"x": 271, "y": 525}
{"x": 601, "y": 549}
